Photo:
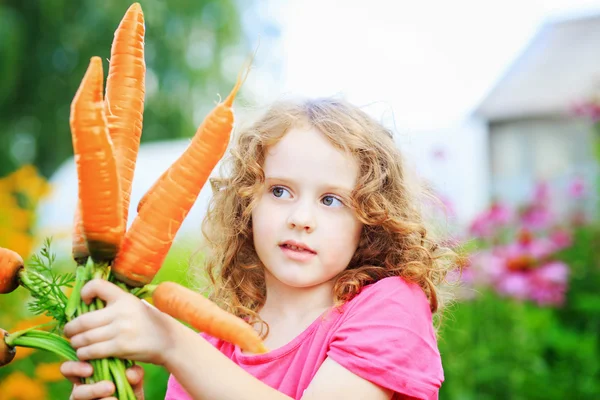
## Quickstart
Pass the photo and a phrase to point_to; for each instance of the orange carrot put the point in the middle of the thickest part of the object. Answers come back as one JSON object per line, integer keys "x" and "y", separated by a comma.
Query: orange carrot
{"x": 99, "y": 191}
{"x": 10, "y": 265}
{"x": 124, "y": 101}
{"x": 149, "y": 238}
{"x": 205, "y": 316}
{"x": 7, "y": 353}
{"x": 79, "y": 250}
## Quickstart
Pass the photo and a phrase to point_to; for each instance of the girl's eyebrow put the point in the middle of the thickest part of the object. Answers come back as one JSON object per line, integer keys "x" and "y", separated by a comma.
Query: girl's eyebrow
{"x": 326, "y": 187}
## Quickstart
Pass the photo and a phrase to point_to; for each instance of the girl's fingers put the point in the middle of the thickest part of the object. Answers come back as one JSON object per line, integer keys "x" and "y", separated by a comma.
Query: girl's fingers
{"x": 97, "y": 335}
{"x": 89, "y": 321}
{"x": 75, "y": 370}
{"x": 94, "y": 391}
{"x": 135, "y": 376}
{"x": 102, "y": 289}
{"x": 99, "y": 350}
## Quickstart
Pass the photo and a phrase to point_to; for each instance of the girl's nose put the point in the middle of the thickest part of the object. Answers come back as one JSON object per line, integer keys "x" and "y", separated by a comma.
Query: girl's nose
{"x": 302, "y": 218}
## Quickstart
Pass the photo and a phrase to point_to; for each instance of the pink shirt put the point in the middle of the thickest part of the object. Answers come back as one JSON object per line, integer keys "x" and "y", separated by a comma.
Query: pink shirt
{"x": 384, "y": 334}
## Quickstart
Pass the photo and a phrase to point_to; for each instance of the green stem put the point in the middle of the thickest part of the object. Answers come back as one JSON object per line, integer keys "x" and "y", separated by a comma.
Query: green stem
{"x": 104, "y": 369}
{"x": 118, "y": 376}
{"x": 81, "y": 278}
{"x": 128, "y": 387}
{"x": 144, "y": 291}
{"x": 41, "y": 340}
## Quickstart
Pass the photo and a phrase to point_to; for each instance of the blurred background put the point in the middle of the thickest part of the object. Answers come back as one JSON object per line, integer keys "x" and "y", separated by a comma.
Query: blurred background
{"x": 495, "y": 103}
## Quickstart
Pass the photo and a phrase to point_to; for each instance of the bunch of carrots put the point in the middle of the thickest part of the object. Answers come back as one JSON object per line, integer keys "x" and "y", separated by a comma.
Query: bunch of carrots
{"x": 106, "y": 133}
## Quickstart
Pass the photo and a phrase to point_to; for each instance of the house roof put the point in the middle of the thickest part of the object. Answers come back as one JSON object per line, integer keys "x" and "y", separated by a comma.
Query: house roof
{"x": 560, "y": 67}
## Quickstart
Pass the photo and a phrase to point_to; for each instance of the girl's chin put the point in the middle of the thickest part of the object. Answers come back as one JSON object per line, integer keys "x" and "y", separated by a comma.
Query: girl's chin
{"x": 300, "y": 281}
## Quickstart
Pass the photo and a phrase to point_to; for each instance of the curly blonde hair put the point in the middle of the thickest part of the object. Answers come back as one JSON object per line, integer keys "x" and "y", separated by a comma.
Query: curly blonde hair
{"x": 394, "y": 241}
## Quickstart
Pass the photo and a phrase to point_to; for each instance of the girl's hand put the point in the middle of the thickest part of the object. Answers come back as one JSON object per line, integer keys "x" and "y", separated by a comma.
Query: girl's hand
{"x": 125, "y": 328}
{"x": 74, "y": 371}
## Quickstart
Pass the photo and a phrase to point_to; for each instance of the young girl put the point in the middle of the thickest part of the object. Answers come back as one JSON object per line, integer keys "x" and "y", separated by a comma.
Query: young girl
{"x": 317, "y": 239}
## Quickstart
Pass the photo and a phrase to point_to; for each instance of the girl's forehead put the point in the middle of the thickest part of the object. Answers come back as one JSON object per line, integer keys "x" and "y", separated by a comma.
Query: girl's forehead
{"x": 306, "y": 152}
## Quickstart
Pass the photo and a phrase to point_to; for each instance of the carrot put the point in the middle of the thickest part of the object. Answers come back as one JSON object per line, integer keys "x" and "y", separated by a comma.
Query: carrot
{"x": 149, "y": 238}
{"x": 124, "y": 101}
{"x": 7, "y": 353}
{"x": 79, "y": 250}
{"x": 204, "y": 315}
{"x": 99, "y": 191}
{"x": 10, "y": 265}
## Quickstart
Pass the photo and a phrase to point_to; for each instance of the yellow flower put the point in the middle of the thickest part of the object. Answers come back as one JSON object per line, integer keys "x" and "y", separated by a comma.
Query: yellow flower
{"x": 49, "y": 372}
{"x": 20, "y": 242}
{"x": 18, "y": 386}
{"x": 27, "y": 181}
{"x": 19, "y": 220}
{"x": 7, "y": 200}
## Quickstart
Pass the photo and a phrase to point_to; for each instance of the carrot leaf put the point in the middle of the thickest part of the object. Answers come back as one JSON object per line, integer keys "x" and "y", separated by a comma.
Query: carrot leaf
{"x": 46, "y": 286}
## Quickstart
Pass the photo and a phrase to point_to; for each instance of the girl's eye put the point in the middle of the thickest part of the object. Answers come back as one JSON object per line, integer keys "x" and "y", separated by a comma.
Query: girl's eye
{"x": 278, "y": 191}
{"x": 332, "y": 201}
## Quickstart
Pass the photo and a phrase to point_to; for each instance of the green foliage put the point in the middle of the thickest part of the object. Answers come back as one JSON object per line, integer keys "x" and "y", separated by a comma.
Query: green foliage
{"x": 46, "y": 286}
{"x": 495, "y": 348}
{"x": 191, "y": 50}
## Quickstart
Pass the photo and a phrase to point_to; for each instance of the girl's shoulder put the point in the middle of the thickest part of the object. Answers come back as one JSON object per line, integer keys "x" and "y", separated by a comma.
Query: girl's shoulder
{"x": 393, "y": 293}
{"x": 385, "y": 334}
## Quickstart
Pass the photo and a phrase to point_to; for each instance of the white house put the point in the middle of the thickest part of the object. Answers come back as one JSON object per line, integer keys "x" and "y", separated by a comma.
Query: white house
{"x": 533, "y": 133}
{"x": 524, "y": 130}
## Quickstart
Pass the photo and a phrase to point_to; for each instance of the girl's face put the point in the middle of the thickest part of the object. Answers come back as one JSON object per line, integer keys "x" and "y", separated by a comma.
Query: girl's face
{"x": 304, "y": 231}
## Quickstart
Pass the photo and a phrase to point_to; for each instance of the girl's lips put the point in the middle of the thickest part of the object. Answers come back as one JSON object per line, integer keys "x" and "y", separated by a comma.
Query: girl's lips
{"x": 297, "y": 255}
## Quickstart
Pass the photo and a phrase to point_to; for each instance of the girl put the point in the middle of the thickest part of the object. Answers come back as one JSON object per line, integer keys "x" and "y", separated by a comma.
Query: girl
{"x": 317, "y": 239}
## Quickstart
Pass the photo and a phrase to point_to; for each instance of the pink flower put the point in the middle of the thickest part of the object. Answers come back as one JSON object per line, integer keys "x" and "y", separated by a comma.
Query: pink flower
{"x": 553, "y": 272}
{"x": 486, "y": 224}
{"x": 577, "y": 188}
{"x": 500, "y": 214}
{"x": 541, "y": 193}
{"x": 485, "y": 268}
{"x": 515, "y": 285}
{"x": 589, "y": 109}
{"x": 519, "y": 271}
{"x": 561, "y": 238}
{"x": 537, "y": 217}
{"x": 535, "y": 248}
{"x": 549, "y": 284}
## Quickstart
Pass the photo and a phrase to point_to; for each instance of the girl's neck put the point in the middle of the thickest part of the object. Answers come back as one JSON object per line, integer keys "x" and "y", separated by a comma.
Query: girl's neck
{"x": 284, "y": 302}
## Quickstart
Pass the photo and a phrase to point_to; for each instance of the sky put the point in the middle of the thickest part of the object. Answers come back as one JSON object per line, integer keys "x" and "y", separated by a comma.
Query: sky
{"x": 420, "y": 64}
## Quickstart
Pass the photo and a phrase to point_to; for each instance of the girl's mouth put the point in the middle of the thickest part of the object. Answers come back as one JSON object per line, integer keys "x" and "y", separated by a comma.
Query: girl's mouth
{"x": 296, "y": 253}
{"x": 296, "y": 248}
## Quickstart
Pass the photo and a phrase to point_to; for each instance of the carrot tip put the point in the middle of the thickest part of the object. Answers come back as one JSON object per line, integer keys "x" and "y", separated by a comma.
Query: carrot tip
{"x": 243, "y": 74}
{"x": 135, "y": 7}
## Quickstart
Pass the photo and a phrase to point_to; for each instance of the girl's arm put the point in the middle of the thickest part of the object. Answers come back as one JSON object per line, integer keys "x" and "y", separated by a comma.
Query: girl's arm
{"x": 206, "y": 373}
{"x": 332, "y": 381}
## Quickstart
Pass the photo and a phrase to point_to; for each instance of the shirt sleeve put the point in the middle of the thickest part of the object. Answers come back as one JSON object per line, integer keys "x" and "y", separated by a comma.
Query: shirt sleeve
{"x": 387, "y": 337}
{"x": 175, "y": 391}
